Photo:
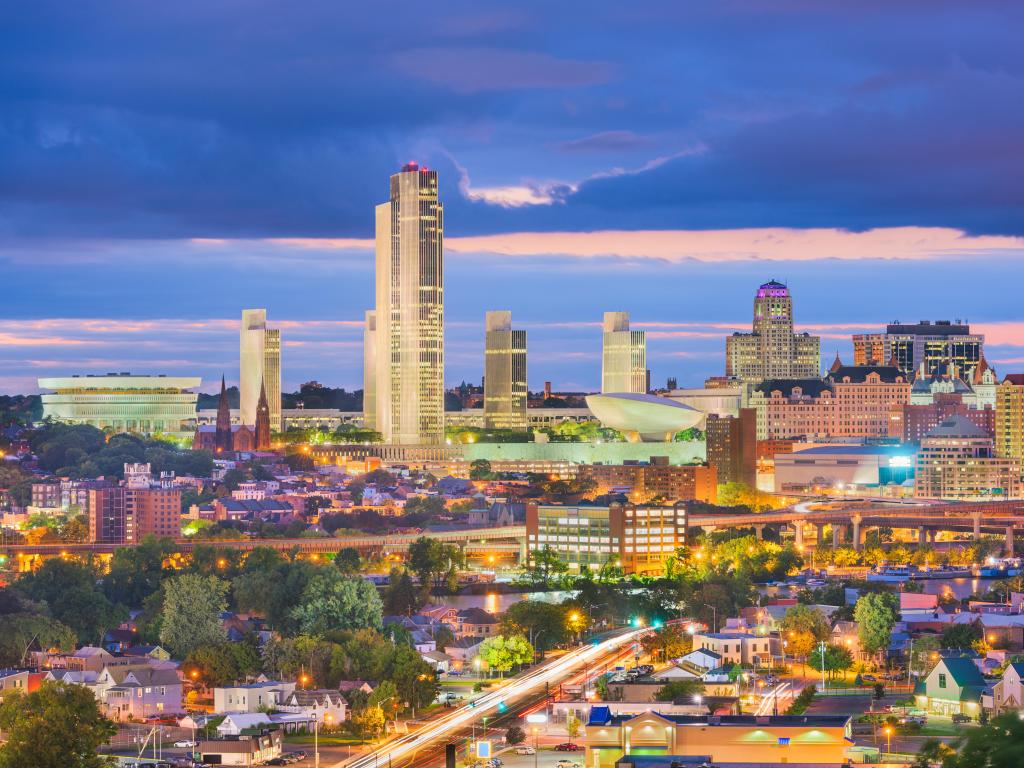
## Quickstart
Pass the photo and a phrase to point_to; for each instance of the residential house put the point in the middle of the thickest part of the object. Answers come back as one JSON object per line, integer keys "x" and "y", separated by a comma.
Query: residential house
{"x": 845, "y": 635}
{"x": 463, "y": 652}
{"x": 253, "y": 747}
{"x": 346, "y": 686}
{"x": 1008, "y": 693}
{"x": 88, "y": 658}
{"x": 955, "y": 686}
{"x": 23, "y": 680}
{"x": 701, "y": 660}
{"x": 128, "y": 692}
{"x": 753, "y": 650}
{"x": 441, "y": 662}
{"x": 476, "y": 622}
{"x": 322, "y": 705}
{"x": 251, "y": 697}
{"x": 148, "y": 651}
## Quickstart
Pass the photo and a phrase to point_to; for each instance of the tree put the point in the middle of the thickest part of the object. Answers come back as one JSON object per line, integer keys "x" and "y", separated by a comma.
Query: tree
{"x": 401, "y": 597}
{"x": 875, "y": 615}
{"x": 222, "y": 664}
{"x": 19, "y": 631}
{"x": 191, "y": 612}
{"x": 544, "y": 564}
{"x": 679, "y": 689}
{"x": 544, "y": 623}
{"x": 515, "y": 735}
{"x": 670, "y": 642}
{"x": 430, "y": 559}
{"x": 137, "y": 572}
{"x": 501, "y": 653}
{"x": 925, "y": 654}
{"x": 348, "y": 561}
{"x": 837, "y": 659}
{"x": 443, "y": 637}
{"x": 56, "y": 726}
{"x": 334, "y": 601}
{"x": 415, "y": 680}
{"x": 572, "y": 726}
{"x": 480, "y": 469}
{"x": 962, "y": 636}
{"x": 803, "y": 628}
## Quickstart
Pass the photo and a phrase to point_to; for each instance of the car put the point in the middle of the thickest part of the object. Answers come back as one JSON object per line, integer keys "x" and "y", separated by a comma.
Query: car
{"x": 185, "y": 743}
{"x": 567, "y": 764}
{"x": 276, "y": 761}
{"x": 960, "y": 718}
{"x": 912, "y": 720}
{"x": 869, "y": 678}
{"x": 568, "y": 746}
{"x": 526, "y": 751}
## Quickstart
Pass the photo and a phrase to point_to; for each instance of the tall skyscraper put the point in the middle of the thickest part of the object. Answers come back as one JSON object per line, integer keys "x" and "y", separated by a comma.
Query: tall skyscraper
{"x": 623, "y": 357}
{"x": 505, "y": 391}
{"x": 410, "y": 310}
{"x": 772, "y": 350}
{"x": 370, "y": 370}
{"x": 927, "y": 348}
{"x": 259, "y": 366}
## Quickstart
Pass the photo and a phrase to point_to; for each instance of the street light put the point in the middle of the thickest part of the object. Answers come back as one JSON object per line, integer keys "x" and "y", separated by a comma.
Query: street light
{"x": 888, "y": 735}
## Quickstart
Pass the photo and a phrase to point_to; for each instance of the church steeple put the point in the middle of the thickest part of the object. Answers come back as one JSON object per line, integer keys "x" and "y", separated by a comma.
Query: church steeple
{"x": 836, "y": 364}
{"x": 263, "y": 420}
{"x": 223, "y": 441}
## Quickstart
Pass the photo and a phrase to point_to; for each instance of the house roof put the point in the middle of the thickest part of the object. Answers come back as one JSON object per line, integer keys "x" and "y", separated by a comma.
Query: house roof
{"x": 476, "y": 616}
{"x": 957, "y": 426}
{"x": 965, "y": 673}
{"x": 820, "y": 721}
{"x": 466, "y": 642}
{"x": 808, "y": 387}
{"x": 859, "y": 373}
{"x": 306, "y": 698}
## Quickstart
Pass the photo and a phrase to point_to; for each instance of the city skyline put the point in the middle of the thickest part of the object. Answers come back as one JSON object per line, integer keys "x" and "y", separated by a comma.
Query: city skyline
{"x": 666, "y": 176}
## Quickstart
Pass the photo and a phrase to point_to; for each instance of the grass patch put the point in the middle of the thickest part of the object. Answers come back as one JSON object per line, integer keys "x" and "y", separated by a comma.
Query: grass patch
{"x": 326, "y": 739}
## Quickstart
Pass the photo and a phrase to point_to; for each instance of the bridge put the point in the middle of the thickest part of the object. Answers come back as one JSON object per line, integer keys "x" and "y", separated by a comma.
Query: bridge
{"x": 500, "y": 541}
{"x": 854, "y": 517}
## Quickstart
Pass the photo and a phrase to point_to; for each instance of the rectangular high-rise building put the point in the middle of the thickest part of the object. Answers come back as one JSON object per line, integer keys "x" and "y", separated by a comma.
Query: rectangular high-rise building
{"x": 1009, "y": 418}
{"x": 505, "y": 391}
{"x": 259, "y": 366}
{"x": 925, "y": 348}
{"x": 370, "y": 370}
{"x": 410, "y": 310}
{"x": 623, "y": 357}
{"x": 772, "y": 350}
{"x": 732, "y": 447}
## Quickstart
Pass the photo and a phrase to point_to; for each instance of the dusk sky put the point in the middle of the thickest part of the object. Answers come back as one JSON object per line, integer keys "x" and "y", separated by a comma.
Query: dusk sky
{"x": 163, "y": 166}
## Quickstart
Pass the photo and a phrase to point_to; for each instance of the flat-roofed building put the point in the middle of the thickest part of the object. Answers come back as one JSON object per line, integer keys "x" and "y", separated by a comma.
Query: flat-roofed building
{"x": 926, "y": 346}
{"x": 732, "y": 447}
{"x": 957, "y": 461}
{"x": 505, "y": 386}
{"x": 819, "y": 740}
{"x": 639, "y": 539}
{"x": 844, "y": 467}
{"x": 127, "y": 513}
{"x": 623, "y": 357}
{"x": 1009, "y": 417}
{"x": 123, "y": 402}
{"x": 643, "y": 482}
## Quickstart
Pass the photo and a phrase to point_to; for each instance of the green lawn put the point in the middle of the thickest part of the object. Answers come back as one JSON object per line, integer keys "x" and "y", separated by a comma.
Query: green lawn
{"x": 326, "y": 739}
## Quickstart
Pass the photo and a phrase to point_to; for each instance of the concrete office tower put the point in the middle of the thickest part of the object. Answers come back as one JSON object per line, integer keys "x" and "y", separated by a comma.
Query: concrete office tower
{"x": 772, "y": 350}
{"x": 259, "y": 366}
{"x": 505, "y": 390}
{"x": 934, "y": 345}
{"x": 623, "y": 357}
{"x": 370, "y": 370}
{"x": 410, "y": 310}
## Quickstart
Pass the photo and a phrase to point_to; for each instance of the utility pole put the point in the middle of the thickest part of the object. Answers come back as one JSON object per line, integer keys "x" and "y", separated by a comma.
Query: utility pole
{"x": 821, "y": 650}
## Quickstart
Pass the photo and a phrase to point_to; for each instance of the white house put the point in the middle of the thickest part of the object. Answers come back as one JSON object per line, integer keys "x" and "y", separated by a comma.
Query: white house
{"x": 324, "y": 706}
{"x": 736, "y": 648}
{"x": 233, "y": 725}
{"x": 251, "y": 697}
{"x": 675, "y": 673}
{"x": 1008, "y": 693}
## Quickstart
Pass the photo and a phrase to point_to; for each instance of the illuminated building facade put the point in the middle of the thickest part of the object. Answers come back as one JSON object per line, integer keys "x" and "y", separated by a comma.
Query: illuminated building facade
{"x": 644, "y": 482}
{"x": 505, "y": 389}
{"x": 370, "y": 370}
{"x": 139, "y": 507}
{"x": 1009, "y": 417}
{"x": 623, "y": 357}
{"x": 259, "y": 367}
{"x": 410, "y": 310}
{"x": 924, "y": 348}
{"x": 732, "y": 447}
{"x": 956, "y": 460}
{"x": 122, "y": 402}
{"x": 772, "y": 350}
{"x": 640, "y": 539}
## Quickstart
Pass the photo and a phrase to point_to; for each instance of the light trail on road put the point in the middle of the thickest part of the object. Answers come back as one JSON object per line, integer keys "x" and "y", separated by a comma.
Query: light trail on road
{"x": 405, "y": 746}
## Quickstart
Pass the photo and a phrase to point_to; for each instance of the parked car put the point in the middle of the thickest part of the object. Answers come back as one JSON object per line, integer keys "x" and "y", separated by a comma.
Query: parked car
{"x": 959, "y": 718}
{"x": 185, "y": 744}
{"x": 526, "y": 751}
{"x": 276, "y": 761}
{"x": 869, "y": 678}
{"x": 568, "y": 746}
{"x": 567, "y": 764}
{"x": 913, "y": 720}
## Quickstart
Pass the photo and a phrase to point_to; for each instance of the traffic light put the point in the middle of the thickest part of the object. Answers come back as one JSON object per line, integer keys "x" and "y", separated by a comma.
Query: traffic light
{"x": 502, "y": 707}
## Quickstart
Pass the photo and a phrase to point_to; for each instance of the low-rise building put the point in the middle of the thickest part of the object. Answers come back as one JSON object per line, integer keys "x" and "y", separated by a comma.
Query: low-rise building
{"x": 639, "y": 539}
{"x": 644, "y": 482}
{"x": 251, "y": 747}
{"x": 476, "y": 622}
{"x": 847, "y": 467}
{"x": 807, "y": 739}
{"x": 954, "y": 687}
{"x": 737, "y": 648}
{"x": 957, "y": 461}
{"x": 251, "y": 697}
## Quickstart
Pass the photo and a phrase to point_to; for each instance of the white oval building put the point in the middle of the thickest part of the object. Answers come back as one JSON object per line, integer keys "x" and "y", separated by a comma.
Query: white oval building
{"x": 646, "y": 418}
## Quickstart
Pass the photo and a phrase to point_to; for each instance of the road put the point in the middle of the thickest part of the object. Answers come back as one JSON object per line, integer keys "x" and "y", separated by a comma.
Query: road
{"x": 410, "y": 749}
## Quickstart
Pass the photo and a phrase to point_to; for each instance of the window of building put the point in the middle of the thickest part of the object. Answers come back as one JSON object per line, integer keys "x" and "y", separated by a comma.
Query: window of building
{"x": 942, "y": 681}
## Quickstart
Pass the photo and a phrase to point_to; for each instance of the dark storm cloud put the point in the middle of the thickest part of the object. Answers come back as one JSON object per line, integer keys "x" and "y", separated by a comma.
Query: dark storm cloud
{"x": 261, "y": 118}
